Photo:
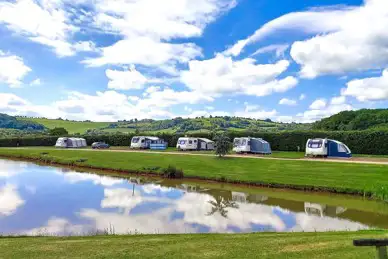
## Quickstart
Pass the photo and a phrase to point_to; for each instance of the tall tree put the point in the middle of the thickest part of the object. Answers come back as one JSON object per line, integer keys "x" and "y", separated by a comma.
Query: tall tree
{"x": 223, "y": 144}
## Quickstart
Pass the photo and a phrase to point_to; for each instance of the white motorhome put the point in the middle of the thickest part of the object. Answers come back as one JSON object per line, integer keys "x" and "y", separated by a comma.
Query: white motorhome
{"x": 187, "y": 144}
{"x": 142, "y": 142}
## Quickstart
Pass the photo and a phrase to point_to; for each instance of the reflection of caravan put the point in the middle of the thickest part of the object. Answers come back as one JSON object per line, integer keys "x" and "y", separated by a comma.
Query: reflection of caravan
{"x": 322, "y": 210}
{"x": 239, "y": 197}
{"x": 327, "y": 148}
{"x": 143, "y": 142}
{"x": 70, "y": 143}
{"x": 314, "y": 209}
{"x": 187, "y": 143}
{"x": 251, "y": 145}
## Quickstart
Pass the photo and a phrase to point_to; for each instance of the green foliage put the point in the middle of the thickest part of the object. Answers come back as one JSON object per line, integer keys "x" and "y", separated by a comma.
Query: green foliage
{"x": 172, "y": 172}
{"x": 58, "y": 132}
{"x": 10, "y": 122}
{"x": 223, "y": 144}
{"x": 355, "y": 120}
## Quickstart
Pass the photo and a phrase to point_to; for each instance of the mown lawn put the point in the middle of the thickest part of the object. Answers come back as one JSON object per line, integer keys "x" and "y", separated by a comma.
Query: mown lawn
{"x": 344, "y": 177}
{"x": 71, "y": 126}
{"x": 261, "y": 245}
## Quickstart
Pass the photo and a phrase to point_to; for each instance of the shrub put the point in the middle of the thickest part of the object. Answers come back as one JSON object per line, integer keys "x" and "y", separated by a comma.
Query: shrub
{"x": 172, "y": 172}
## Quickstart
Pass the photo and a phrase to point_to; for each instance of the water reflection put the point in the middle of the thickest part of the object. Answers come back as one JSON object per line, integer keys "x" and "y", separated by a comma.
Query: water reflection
{"x": 45, "y": 200}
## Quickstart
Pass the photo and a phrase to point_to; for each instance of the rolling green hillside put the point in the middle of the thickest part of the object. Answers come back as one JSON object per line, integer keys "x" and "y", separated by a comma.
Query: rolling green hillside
{"x": 355, "y": 120}
{"x": 71, "y": 126}
{"x": 177, "y": 125}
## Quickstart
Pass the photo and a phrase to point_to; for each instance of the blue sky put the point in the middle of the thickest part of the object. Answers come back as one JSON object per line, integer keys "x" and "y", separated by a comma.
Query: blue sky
{"x": 109, "y": 60}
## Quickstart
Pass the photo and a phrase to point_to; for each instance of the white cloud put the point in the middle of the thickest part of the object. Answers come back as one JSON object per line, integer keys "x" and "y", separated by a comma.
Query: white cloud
{"x": 168, "y": 97}
{"x": 318, "y": 104}
{"x": 145, "y": 51}
{"x": 288, "y": 102}
{"x": 360, "y": 30}
{"x": 338, "y": 100}
{"x": 302, "y": 97}
{"x": 279, "y": 49}
{"x": 320, "y": 109}
{"x": 342, "y": 33}
{"x": 10, "y": 200}
{"x": 36, "y": 82}
{"x": 12, "y": 69}
{"x": 11, "y": 102}
{"x": 147, "y": 31}
{"x": 58, "y": 226}
{"x": 133, "y": 98}
{"x": 165, "y": 20}
{"x": 125, "y": 80}
{"x": 46, "y": 23}
{"x": 253, "y": 111}
{"x": 223, "y": 75}
{"x": 309, "y": 22}
{"x": 210, "y": 108}
{"x": 368, "y": 89}
{"x": 74, "y": 177}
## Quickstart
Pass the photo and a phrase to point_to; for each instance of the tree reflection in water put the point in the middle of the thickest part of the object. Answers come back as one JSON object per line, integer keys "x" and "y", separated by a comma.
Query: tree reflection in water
{"x": 220, "y": 205}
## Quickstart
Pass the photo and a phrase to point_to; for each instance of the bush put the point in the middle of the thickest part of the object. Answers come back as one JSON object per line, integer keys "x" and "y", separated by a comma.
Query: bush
{"x": 172, "y": 172}
{"x": 58, "y": 132}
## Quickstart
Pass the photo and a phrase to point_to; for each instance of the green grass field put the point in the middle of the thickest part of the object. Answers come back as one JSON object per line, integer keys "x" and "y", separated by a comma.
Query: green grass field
{"x": 260, "y": 245}
{"x": 331, "y": 176}
{"x": 71, "y": 126}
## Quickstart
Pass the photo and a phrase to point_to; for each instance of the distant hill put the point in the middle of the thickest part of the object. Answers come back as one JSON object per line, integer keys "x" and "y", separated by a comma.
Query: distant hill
{"x": 71, "y": 126}
{"x": 355, "y": 120}
{"x": 177, "y": 125}
{"x": 10, "y": 122}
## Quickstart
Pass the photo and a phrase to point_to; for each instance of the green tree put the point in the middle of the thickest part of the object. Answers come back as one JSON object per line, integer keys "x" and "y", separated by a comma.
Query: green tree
{"x": 58, "y": 132}
{"x": 222, "y": 144}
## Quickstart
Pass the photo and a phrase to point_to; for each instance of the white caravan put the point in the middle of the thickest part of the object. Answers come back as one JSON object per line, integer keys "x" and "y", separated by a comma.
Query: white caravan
{"x": 187, "y": 144}
{"x": 142, "y": 142}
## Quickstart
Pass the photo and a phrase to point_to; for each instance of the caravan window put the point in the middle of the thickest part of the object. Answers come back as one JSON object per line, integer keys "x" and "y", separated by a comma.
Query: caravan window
{"x": 315, "y": 144}
{"x": 244, "y": 142}
{"x": 190, "y": 142}
{"x": 182, "y": 142}
{"x": 135, "y": 140}
{"x": 236, "y": 142}
{"x": 249, "y": 142}
{"x": 195, "y": 141}
{"x": 343, "y": 149}
{"x": 143, "y": 140}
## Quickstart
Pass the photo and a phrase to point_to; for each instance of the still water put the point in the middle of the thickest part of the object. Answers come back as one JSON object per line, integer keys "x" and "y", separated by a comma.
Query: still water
{"x": 41, "y": 200}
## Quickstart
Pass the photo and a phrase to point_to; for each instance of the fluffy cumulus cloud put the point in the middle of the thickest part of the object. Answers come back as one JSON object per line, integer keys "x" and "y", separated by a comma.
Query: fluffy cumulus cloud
{"x": 321, "y": 108}
{"x": 146, "y": 37}
{"x": 44, "y": 22}
{"x": 10, "y": 200}
{"x": 318, "y": 104}
{"x": 12, "y": 69}
{"x": 360, "y": 30}
{"x": 125, "y": 80}
{"x": 368, "y": 89}
{"x": 342, "y": 36}
{"x": 289, "y": 102}
{"x": 224, "y": 75}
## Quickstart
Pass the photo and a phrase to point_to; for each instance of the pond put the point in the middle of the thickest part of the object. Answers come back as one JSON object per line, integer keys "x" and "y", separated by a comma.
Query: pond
{"x": 42, "y": 200}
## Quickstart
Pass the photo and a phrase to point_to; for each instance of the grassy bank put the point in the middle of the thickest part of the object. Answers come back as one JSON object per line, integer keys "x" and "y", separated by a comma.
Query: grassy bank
{"x": 262, "y": 245}
{"x": 306, "y": 175}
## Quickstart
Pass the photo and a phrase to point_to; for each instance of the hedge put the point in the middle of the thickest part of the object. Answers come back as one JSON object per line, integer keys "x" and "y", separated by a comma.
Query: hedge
{"x": 360, "y": 142}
